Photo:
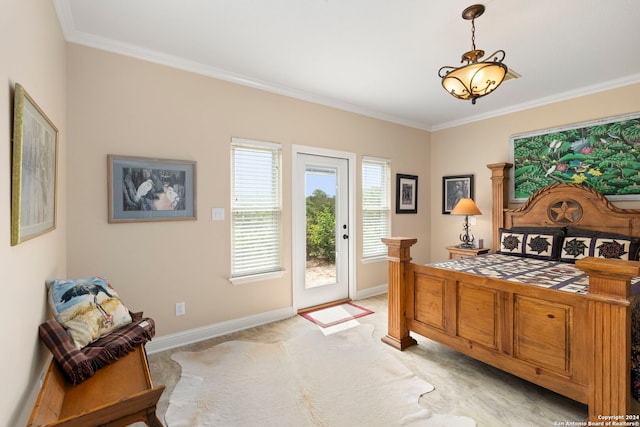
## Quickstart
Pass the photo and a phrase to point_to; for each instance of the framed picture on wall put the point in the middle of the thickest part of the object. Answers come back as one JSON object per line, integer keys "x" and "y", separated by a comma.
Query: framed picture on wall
{"x": 602, "y": 154}
{"x": 33, "y": 170}
{"x": 455, "y": 188}
{"x": 147, "y": 189}
{"x": 406, "y": 193}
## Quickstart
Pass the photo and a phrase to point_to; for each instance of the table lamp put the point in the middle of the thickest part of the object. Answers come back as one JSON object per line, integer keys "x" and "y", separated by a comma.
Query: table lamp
{"x": 466, "y": 207}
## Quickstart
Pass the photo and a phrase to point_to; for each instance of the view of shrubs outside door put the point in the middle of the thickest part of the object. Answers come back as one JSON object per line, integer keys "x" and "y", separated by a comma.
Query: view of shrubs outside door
{"x": 321, "y": 238}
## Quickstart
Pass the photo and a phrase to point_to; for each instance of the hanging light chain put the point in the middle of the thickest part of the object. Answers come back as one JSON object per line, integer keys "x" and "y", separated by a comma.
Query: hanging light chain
{"x": 473, "y": 34}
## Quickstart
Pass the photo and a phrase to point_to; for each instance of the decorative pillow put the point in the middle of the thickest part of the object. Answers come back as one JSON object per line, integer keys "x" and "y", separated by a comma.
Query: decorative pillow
{"x": 88, "y": 308}
{"x": 531, "y": 242}
{"x": 580, "y": 243}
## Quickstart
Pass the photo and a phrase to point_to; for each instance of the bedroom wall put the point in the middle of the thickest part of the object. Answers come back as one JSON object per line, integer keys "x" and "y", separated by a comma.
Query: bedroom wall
{"x": 469, "y": 148}
{"x": 120, "y": 105}
{"x": 32, "y": 53}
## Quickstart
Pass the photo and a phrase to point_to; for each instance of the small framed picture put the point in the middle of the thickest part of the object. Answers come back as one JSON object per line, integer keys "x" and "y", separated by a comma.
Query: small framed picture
{"x": 146, "y": 189}
{"x": 455, "y": 188}
{"x": 33, "y": 170}
{"x": 406, "y": 193}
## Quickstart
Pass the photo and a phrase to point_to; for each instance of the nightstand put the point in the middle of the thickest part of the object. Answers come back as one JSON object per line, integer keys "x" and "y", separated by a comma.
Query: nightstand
{"x": 457, "y": 253}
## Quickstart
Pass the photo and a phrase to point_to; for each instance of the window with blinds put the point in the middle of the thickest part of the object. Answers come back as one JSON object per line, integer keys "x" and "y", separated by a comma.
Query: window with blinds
{"x": 255, "y": 207}
{"x": 376, "y": 206}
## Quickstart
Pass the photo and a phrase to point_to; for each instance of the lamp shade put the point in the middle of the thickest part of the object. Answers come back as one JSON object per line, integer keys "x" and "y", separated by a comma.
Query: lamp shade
{"x": 466, "y": 207}
{"x": 474, "y": 80}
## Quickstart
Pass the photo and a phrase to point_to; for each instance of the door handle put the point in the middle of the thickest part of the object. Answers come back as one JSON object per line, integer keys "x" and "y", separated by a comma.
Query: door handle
{"x": 345, "y": 236}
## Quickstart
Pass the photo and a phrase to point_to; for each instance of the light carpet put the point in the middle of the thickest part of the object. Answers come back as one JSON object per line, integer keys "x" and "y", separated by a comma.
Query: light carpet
{"x": 346, "y": 379}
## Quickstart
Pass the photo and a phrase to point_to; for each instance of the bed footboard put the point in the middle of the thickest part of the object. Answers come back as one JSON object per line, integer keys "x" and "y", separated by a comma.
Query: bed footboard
{"x": 582, "y": 351}
{"x": 610, "y": 324}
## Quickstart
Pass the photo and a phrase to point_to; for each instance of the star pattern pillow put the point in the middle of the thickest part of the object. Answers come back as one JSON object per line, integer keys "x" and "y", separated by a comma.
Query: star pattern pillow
{"x": 580, "y": 243}
{"x": 575, "y": 247}
{"x": 534, "y": 242}
{"x": 87, "y": 308}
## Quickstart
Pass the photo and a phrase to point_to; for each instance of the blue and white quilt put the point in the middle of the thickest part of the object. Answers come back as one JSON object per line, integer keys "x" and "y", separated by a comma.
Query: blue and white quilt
{"x": 557, "y": 275}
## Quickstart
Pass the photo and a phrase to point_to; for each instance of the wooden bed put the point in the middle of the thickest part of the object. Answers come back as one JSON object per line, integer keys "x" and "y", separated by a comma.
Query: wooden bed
{"x": 576, "y": 345}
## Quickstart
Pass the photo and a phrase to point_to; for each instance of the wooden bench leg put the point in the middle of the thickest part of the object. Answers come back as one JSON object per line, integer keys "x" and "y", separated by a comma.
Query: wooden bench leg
{"x": 152, "y": 418}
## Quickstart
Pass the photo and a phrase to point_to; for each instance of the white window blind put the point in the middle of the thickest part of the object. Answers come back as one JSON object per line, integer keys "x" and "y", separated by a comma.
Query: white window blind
{"x": 255, "y": 207}
{"x": 376, "y": 206}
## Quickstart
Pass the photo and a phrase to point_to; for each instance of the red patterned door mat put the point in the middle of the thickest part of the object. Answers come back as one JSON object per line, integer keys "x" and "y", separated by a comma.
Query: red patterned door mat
{"x": 335, "y": 314}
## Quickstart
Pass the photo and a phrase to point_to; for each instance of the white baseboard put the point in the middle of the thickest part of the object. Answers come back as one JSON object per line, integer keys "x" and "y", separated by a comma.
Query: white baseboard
{"x": 371, "y": 292}
{"x": 167, "y": 342}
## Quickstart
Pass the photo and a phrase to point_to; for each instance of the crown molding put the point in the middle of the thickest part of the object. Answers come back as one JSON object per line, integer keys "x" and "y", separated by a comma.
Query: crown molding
{"x": 73, "y": 35}
{"x": 564, "y": 96}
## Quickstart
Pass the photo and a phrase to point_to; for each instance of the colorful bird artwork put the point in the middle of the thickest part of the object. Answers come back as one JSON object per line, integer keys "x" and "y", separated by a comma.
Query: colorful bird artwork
{"x": 89, "y": 288}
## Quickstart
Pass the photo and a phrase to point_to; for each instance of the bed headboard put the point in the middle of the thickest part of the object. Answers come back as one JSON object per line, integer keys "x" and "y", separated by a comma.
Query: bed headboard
{"x": 558, "y": 205}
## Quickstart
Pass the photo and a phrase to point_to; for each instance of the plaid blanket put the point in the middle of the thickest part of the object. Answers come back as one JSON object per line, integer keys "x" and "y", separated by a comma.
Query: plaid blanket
{"x": 82, "y": 364}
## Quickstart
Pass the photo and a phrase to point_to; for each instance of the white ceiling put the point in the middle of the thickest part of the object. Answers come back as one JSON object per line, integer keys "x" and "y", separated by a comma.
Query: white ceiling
{"x": 375, "y": 57}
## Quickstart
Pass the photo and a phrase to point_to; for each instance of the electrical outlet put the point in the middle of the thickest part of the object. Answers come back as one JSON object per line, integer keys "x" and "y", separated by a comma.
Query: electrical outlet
{"x": 181, "y": 310}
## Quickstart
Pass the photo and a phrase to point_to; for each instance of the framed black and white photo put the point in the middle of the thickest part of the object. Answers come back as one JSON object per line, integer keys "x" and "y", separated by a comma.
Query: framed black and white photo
{"x": 406, "y": 193}
{"x": 33, "y": 170}
{"x": 146, "y": 189}
{"x": 455, "y": 188}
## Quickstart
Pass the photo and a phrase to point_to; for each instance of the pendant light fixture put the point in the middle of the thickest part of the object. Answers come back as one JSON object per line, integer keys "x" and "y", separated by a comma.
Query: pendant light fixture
{"x": 476, "y": 78}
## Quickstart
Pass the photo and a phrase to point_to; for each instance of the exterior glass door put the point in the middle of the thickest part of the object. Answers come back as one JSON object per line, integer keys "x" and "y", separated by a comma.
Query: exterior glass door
{"x": 322, "y": 232}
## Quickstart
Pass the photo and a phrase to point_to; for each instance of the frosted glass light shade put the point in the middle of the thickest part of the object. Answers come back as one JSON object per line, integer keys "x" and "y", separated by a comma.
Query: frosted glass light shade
{"x": 474, "y": 80}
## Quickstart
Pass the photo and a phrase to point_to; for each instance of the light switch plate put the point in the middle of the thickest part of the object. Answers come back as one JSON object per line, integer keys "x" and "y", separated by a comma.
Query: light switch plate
{"x": 217, "y": 214}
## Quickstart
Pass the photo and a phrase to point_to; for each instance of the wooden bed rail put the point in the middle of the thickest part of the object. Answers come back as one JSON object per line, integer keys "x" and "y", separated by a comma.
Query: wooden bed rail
{"x": 610, "y": 316}
{"x": 606, "y": 336}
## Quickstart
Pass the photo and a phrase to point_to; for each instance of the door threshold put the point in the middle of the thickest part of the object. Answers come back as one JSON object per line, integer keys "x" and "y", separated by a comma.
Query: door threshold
{"x": 325, "y": 305}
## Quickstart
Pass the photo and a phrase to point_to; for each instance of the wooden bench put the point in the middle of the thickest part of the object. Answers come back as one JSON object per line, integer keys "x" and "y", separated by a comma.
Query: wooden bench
{"x": 117, "y": 395}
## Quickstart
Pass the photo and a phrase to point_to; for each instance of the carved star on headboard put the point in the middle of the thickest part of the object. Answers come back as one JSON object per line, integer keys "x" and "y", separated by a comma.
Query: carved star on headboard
{"x": 565, "y": 211}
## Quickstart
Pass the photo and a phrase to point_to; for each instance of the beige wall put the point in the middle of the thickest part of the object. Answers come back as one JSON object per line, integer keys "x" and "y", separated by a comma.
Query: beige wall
{"x": 32, "y": 53}
{"x": 469, "y": 148}
{"x": 119, "y": 105}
